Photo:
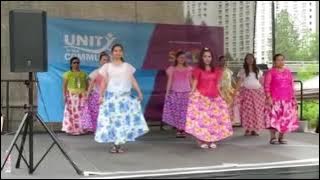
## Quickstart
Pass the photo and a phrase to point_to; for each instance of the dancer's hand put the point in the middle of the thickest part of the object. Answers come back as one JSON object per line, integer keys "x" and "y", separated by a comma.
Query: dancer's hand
{"x": 85, "y": 96}
{"x": 191, "y": 93}
{"x": 269, "y": 101}
{"x": 101, "y": 99}
{"x": 140, "y": 97}
{"x": 167, "y": 94}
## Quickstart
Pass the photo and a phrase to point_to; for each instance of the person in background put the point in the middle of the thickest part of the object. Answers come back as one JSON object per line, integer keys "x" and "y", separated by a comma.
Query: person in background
{"x": 91, "y": 110}
{"x": 75, "y": 85}
{"x": 177, "y": 94}
{"x": 252, "y": 97}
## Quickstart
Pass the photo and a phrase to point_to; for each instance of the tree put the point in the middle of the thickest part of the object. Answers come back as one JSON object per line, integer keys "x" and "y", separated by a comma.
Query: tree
{"x": 288, "y": 42}
{"x": 309, "y": 47}
{"x": 189, "y": 19}
{"x": 287, "y": 37}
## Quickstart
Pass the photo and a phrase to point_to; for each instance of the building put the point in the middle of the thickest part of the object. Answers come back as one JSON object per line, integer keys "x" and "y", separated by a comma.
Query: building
{"x": 237, "y": 18}
{"x": 240, "y": 22}
{"x": 303, "y": 14}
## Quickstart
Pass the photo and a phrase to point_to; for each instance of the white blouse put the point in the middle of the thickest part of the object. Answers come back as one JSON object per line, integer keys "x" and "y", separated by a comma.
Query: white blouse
{"x": 250, "y": 82}
{"x": 119, "y": 76}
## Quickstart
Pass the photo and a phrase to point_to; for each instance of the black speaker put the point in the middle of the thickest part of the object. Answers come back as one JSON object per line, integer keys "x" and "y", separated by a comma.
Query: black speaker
{"x": 28, "y": 41}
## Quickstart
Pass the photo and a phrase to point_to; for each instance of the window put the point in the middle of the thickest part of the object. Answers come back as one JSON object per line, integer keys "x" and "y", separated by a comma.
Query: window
{"x": 310, "y": 23}
{"x": 205, "y": 15}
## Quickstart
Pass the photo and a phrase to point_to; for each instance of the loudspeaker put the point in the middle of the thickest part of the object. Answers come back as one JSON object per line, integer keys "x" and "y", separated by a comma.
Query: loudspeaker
{"x": 28, "y": 41}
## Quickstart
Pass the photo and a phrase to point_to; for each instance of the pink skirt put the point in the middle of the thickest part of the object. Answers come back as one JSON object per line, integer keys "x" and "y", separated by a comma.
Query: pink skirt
{"x": 282, "y": 116}
{"x": 175, "y": 109}
{"x": 252, "y": 109}
{"x": 73, "y": 117}
{"x": 208, "y": 118}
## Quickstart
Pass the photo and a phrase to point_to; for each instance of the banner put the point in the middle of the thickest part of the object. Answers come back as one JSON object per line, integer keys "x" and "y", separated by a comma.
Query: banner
{"x": 150, "y": 48}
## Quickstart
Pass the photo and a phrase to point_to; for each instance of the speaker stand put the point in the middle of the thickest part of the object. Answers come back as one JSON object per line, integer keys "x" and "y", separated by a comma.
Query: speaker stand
{"x": 27, "y": 124}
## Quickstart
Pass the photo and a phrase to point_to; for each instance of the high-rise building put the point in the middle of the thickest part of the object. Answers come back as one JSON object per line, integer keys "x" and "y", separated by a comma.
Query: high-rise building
{"x": 263, "y": 35}
{"x": 303, "y": 14}
{"x": 237, "y": 18}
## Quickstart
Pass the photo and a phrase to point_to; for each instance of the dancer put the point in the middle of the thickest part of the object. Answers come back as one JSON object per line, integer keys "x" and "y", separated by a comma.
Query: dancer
{"x": 177, "y": 94}
{"x": 75, "y": 84}
{"x": 226, "y": 89}
{"x": 91, "y": 109}
{"x": 120, "y": 116}
{"x": 252, "y": 97}
{"x": 207, "y": 116}
{"x": 281, "y": 114}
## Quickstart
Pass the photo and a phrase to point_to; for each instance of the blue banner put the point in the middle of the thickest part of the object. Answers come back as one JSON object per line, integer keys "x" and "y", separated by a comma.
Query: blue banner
{"x": 86, "y": 39}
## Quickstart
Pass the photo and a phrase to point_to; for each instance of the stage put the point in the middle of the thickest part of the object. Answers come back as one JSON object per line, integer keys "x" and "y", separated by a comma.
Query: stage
{"x": 160, "y": 154}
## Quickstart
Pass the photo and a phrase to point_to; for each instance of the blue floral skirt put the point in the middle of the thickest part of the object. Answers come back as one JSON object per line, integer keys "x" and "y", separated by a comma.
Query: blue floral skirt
{"x": 120, "y": 119}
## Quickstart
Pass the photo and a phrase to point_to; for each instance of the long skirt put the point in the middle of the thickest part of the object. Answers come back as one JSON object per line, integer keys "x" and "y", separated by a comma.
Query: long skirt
{"x": 208, "y": 118}
{"x": 175, "y": 109}
{"x": 73, "y": 114}
{"x": 91, "y": 111}
{"x": 252, "y": 109}
{"x": 282, "y": 116}
{"x": 120, "y": 119}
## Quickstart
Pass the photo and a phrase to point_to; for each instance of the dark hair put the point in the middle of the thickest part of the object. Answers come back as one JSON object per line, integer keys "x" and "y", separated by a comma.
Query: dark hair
{"x": 178, "y": 54}
{"x": 103, "y": 53}
{"x": 202, "y": 65}
{"x": 277, "y": 55}
{"x": 221, "y": 61}
{"x": 254, "y": 65}
{"x": 118, "y": 45}
{"x": 73, "y": 59}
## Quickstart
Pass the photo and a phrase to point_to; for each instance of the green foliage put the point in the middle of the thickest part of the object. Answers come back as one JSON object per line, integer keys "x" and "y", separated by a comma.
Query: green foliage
{"x": 307, "y": 72}
{"x": 288, "y": 42}
{"x": 310, "y": 111}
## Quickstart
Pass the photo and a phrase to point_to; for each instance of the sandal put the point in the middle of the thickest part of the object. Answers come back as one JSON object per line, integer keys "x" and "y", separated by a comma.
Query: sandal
{"x": 204, "y": 146}
{"x": 273, "y": 140}
{"x": 253, "y": 133}
{"x": 213, "y": 145}
{"x": 180, "y": 135}
{"x": 282, "y": 141}
{"x": 247, "y": 133}
{"x": 114, "y": 149}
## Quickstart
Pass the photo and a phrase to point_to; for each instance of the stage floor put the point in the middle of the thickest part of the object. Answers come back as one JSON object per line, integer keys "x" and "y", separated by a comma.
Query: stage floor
{"x": 159, "y": 153}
